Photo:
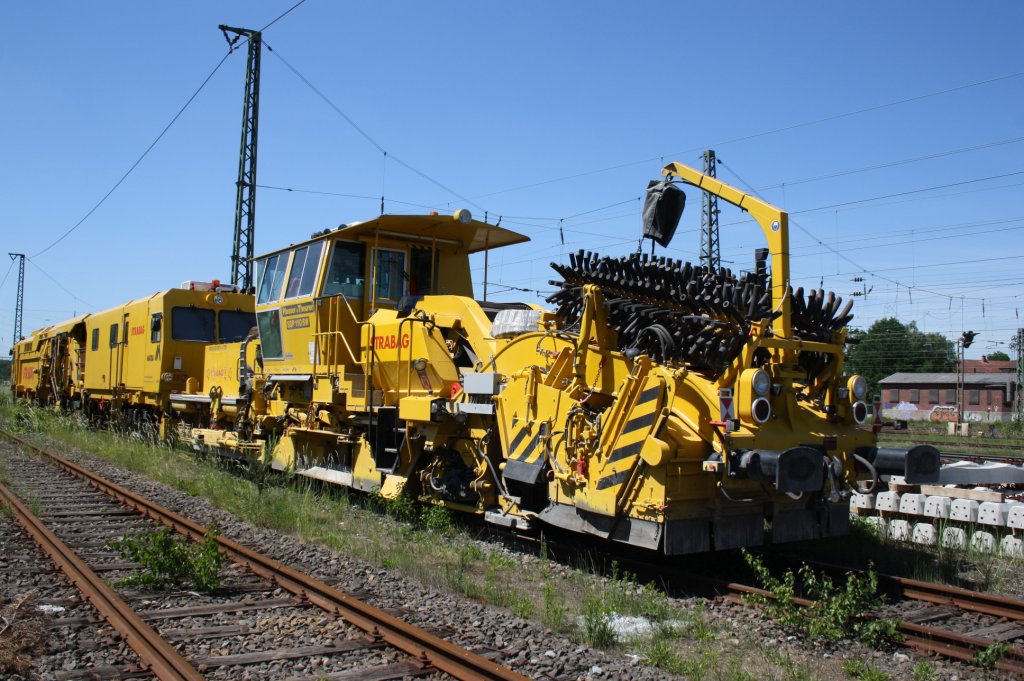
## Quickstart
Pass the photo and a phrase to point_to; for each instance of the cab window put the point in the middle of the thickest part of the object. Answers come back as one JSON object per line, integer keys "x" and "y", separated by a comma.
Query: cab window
{"x": 95, "y": 339}
{"x": 235, "y": 325}
{"x": 192, "y": 324}
{"x": 271, "y": 275}
{"x": 269, "y": 322}
{"x": 390, "y": 275}
{"x": 346, "y": 273}
{"x": 305, "y": 263}
{"x": 423, "y": 271}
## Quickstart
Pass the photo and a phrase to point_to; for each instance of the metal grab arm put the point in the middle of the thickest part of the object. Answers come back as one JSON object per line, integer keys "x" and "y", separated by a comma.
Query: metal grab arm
{"x": 774, "y": 223}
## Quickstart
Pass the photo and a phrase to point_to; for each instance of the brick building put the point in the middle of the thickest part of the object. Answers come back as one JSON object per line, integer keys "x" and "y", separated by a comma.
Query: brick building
{"x": 988, "y": 395}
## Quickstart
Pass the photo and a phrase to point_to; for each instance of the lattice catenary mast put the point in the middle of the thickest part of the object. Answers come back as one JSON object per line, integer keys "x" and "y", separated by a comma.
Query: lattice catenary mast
{"x": 245, "y": 197}
{"x": 709, "y": 255}
{"x": 19, "y": 305}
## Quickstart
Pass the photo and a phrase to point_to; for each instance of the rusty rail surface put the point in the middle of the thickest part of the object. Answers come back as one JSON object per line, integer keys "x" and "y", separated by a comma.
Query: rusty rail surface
{"x": 432, "y": 651}
{"x": 156, "y": 655}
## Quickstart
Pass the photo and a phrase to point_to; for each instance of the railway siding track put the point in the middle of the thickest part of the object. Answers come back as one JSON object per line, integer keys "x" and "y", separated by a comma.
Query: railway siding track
{"x": 938, "y": 626}
{"x": 421, "y": 652}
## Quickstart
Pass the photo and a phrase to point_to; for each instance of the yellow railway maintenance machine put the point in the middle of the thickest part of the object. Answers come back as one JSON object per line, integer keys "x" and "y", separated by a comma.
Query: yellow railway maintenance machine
{"x": 47, "y": 367}
{"x": 662, "y": 405}
{"x": 135, "y": 355}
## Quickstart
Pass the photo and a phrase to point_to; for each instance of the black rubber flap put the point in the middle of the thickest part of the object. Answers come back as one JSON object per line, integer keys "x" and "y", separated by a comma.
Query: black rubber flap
{"x": 522, "y": 471}
{"x": 663, "y": 206}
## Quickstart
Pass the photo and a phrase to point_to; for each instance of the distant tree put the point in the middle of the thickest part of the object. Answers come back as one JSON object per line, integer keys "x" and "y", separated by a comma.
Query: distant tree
{"x": 890, "y": 346}
{"x": 998, "y": 356}
{"x": 5, "y": 369}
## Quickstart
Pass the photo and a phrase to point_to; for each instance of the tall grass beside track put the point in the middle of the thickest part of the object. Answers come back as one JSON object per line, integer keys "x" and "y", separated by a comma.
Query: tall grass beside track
{"x": 435, "y": 548}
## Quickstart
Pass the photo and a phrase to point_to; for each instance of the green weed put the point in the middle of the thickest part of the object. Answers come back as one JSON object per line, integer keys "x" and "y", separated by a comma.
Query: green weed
{"x": 171, "y": 560}
{"x": 837, "y": 612}
{"x": 864, "y": 671}
{"x": 597, "y": 630}
{"x": 923, "y": 671}
{"x": 987, "y": 658}
{"x": 438, "y": 519}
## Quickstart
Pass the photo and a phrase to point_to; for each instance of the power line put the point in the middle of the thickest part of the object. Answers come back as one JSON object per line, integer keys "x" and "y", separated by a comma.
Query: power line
{"x": 891, "y": 164}
{"x": 756, "y": 135}
{"x": 59, "y": 285}
{"x": 906, "y": 193}
{"x": 138, "y": 160}
{"x": 366, "y": 135}
{"x": 282, "y": 15}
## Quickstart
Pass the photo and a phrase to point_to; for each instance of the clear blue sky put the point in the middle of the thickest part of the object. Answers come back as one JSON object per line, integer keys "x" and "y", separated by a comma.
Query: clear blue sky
{"x": 533, "y": 111}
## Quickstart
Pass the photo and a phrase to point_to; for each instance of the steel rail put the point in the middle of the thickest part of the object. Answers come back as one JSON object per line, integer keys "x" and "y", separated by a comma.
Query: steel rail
{"x": 939, "y": 594}
{"x": 430, "y": 650}
{"x": 156, "y": 654}
{"x": 919, "y": 637}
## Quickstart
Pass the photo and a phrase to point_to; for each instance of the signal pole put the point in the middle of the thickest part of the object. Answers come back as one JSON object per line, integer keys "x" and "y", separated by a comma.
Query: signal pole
{"x": 709, "y": 253}
{"x": 20, "y": 304}
{"x": 245, "y": 196}
{"x": 1018, "y": 345}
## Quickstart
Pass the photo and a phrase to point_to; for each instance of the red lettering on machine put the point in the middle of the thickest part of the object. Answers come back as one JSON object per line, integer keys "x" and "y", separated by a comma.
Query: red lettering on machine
{"x": 390, "y": 342}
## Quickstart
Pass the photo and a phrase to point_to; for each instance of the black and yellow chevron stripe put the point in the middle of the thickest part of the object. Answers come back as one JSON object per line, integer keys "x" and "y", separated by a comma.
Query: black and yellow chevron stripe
{"x": 631, "y": 439}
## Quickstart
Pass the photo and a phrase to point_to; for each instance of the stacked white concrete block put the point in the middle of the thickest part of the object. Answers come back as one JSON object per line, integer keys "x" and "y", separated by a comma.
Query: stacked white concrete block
{"x": 964, "y": 510}
{"x": 887, "y": 501}
{"x": 937, "y": 507}
{"x": 924, "y": 533}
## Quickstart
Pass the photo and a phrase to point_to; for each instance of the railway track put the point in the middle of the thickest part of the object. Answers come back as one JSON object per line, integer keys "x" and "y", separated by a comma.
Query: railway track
{"x": 935, "y": 618}
{"x": 932, "y": 618}
{"x": 965, "y": 456}
{"x": 302, "y": 620}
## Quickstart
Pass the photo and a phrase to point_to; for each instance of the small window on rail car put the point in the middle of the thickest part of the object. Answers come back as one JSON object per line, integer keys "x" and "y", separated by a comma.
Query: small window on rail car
{"x": 271, "y": 276}
{"x": 95, "y": 339}
{"x": 192, "y": 324}
{"x": 113, "y": 335}
{"x": 347, "y": 272}
{"x": 155, "y": 322}
{"x": 235, "y": 325}
{"x": 269, "y": 323}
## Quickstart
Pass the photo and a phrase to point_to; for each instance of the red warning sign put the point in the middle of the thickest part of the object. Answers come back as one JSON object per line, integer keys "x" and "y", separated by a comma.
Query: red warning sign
{"x": 726, "y": 405}
{"x": 456, "y": 389}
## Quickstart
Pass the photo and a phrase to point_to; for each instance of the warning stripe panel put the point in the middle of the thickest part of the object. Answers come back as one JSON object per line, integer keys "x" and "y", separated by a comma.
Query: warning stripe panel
{"x": 631, "y": 439}
{"x": 523, "y": 449}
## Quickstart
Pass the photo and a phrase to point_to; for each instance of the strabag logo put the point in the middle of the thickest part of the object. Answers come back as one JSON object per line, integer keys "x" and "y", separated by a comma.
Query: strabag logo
{"x": 390, "y": 342}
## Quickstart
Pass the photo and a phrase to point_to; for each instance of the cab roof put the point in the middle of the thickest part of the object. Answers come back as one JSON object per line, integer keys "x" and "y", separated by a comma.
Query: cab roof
{"x": 474, "y": 236}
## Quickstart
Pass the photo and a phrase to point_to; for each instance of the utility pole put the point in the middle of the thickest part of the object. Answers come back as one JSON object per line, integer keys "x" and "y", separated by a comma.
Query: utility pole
{"x": 245, "y": 196}
{"x": 20, "y": 304}
{"x": 709, "y": 254}
{"x": 966, "y": 338}
{"x": 1018, "y": 345}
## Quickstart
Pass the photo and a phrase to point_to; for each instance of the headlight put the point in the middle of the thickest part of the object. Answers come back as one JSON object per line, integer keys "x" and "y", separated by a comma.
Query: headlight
{"x": 463, "y": 216}
{"x": 858, "y": 385}
{"x": 761, "y": 382}
{"x": 860, "y": 412}
{"x": 761, "y": 410}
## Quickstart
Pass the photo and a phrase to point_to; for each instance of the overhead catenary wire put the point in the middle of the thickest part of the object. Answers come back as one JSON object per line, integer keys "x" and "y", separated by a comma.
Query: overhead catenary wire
{"x": 59, "y": 285}
{"x": 348, "y": 119}
{"x": 139, "y": 160}
{"x": 764, "y": 133}
{"x": 861, "y": 269}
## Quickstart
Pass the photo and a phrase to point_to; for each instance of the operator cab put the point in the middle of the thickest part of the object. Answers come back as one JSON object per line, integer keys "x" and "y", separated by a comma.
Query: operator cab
{"x": 330, "y": 284}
